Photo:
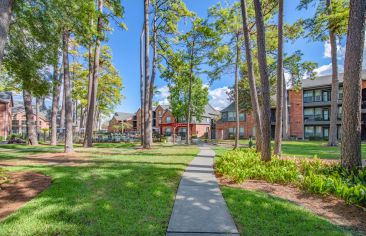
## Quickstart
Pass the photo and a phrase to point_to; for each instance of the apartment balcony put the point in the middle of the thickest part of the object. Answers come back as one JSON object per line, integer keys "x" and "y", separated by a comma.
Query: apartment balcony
{"x": 319, "y": 120}
{"x": 316, "y": 101}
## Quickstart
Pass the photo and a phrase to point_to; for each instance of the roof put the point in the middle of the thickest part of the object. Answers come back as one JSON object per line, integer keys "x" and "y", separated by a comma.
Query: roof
{"x": 122, "y": 116}
{"x": 325, "y": 80}
{"x": 231, "y": 107}
{"x": 210, "y": 111}
{"x": 20, "y": 108}
{"x": 7, "y": 97}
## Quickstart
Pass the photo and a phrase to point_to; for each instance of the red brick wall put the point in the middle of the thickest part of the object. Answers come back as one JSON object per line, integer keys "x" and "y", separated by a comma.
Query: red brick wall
{"x": 222, "y": 128}
{"x": 21, "y": 117}
{"x": 165, "y": 115}
{"x": 296, "y": 116}
{"x": 5, "y": 119}
{"x": 200, "y": 130}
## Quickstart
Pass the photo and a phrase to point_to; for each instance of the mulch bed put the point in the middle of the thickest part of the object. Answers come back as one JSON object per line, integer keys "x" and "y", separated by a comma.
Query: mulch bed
{"x": 335, "y": 210}
{"x": 21, "y": 188}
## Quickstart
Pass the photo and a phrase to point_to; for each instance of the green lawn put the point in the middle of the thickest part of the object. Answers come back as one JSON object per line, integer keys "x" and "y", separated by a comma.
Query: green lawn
{"x": 261, "y": 214}
{"x": 303, "y": 149}
{"x": 124, "y": 192}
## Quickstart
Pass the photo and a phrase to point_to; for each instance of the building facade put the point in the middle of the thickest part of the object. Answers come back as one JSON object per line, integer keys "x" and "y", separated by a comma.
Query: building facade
{"x": 308, "y": 112}
{"x": 121, "y": 122}
{"x": 19, "y": 121}
{"x": 6, "y": 105}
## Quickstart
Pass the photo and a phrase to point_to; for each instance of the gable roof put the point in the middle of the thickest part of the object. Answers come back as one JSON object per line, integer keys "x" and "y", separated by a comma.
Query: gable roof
{"x": 7, "y": 97}
{"x": 210, "y": 111}
{"x": 120, "y": 116}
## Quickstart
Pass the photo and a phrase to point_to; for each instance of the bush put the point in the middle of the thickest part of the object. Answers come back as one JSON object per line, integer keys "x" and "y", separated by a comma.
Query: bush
{"x": 314, "y": 176}
{"x": 3, "y": 177}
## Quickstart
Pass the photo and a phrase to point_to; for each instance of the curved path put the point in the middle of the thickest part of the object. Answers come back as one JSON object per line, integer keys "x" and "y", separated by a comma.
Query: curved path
{"x": 199, "y": 208}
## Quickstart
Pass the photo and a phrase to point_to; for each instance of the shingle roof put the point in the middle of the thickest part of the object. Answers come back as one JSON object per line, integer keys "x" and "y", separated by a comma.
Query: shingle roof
{"x": 210, "y": 111}
{"x": 6, "y": 97}
{"x": 325, "y": 80}
{"x": 122, "y": 116}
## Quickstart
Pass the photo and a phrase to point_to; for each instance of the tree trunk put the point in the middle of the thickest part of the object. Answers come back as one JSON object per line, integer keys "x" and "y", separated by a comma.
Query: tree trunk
{"x": 5, "y": 15}
{"x": 147, "y": 121}
{"x": 142, "y": 117}
{"x": 279, "y": 101}
{"x": 263, "y": 71}
{"x": 31, "y": 131}
{"x": 251, "y": 78}
{"x": 55, "y": 101}
{"x": 62, "y": 115}
{"x": 237, "y": 122}
{"x": 351, "y": 119}
{"x": 284, "y": 111}
{"x": 37, "y": 116}
{"x": 189, "y": 115}
{"x": 153, "y": 73}
{"x": 90, "y": 75}
{"x": 88, "y": 140}
{"x": 67, "y": 92}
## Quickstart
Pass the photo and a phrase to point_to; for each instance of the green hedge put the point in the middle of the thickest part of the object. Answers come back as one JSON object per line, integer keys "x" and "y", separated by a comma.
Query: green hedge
{"x": 312, "y": 175}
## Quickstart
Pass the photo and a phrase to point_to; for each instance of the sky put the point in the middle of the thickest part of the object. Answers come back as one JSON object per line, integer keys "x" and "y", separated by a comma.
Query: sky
{"x": 125, "y": 47}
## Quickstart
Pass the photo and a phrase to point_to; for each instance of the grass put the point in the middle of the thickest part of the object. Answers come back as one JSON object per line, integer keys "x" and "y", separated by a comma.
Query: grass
{"x": 303, "y": 149}
{"x": 258, "y": 213}
{"x": 124, "y": 192}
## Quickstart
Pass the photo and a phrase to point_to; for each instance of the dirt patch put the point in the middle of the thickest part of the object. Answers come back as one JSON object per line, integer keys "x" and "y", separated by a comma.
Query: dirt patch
{"x": 329, "y": 207}
{"x": 21, "y": 188}
{"x": 64, "y": 159}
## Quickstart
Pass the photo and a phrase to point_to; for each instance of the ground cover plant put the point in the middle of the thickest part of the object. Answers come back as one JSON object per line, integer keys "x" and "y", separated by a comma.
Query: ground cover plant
{"x": 123, "y": 191}
{"x": 257, "y": 213}
{"x": 312, "y": 175}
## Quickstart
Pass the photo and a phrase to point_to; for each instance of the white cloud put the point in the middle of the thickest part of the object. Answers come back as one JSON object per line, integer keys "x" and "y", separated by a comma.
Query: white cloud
{"x": 218, "y": 97}
{"x": 163, "y": 95}
{"x": 341, "y": 51}
{"x": 324, "y": 70}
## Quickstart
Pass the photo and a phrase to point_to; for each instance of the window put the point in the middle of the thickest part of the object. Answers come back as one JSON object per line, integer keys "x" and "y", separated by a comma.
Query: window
{"x": 339, "y": 115}
{"x": 24, "y": 122}
{"x": 326, "y": 132}
{"x": 15, "y": 122}
{"x": 326, "y": 96}
{"x": 160, "y": 113}
{"x": 308, "y": 96}
{"x": 241, "y": 131}
{"x": 242, "y": 117}
{"x": 318, "y": 131}
{"x": 308, "y": 113}
{"x": 318, "y": 96}
{"x": 340, "y": 93}
{"x": 309, "y": 131}
{"x": 326, "y": 114}
{"x": 168, "y": 119}
{"x": 231, "y": 116}
{"x": 168, "y": 131}
{"x": 224, "y": 116}
{"x": 232, "y": 130}
{"x": 208, "y": 120}
{"x": 318, "y": 113}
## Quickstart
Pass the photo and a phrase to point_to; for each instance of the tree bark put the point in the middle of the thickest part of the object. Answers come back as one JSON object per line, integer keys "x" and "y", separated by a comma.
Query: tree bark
{"x": 284, "y": 111}
{"x": 332, "y": 141}
{"x": 31, "y": 131}
{"x": 351, "y": 119}
{"x": 37, "y": 116}
{"x": 189, "y": 115}
{"x": 90, "y": 76}
{"x": 147, "y": 121}
{"x": 5, "y": 15}
{"x": 153, "y": 72}
{"x": 251, "y": 78}
{"x": 237, "y": 122}
{"x": 67, "y": 91}
{"x": 55, "y": 101}
{"x": 279, "y": 101}
{"x": 263, "y": 71}
{"x": 142, "y": 117}
{"x": 88, "y": 140}
{"x": 62, "y": 114}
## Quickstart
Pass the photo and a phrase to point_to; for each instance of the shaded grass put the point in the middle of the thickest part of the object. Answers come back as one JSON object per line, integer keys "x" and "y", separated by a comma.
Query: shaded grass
{"x": 303, "y": 149}
{"x": 261, "y": 214}
{"x": 117, "y": 195}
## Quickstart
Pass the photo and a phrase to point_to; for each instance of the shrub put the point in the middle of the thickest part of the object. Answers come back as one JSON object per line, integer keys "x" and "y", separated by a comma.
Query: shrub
{"x": 314, "y": 176}
{"x": 3, "y": 176}
{"x": 246, "y": 164}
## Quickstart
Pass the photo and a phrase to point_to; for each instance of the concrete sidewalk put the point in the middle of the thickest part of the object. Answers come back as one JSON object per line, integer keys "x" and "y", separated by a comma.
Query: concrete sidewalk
{"x": 199, "y": 207}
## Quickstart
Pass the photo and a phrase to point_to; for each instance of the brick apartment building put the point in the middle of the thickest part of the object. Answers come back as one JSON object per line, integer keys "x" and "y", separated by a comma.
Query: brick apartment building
{"x": 165, "y": 123}
{"x": 6, "y": 105}
{"x": 309, "y": 112}
{"x": 116, "y": 123}
{"x": 19, "y": 123}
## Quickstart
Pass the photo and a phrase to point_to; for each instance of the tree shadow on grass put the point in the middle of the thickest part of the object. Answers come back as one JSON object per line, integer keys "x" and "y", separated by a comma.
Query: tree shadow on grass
{"x": 113, "y": 199}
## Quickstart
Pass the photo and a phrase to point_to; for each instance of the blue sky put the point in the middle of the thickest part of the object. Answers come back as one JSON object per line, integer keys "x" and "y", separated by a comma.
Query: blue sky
{"x": 125, "y": 48}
